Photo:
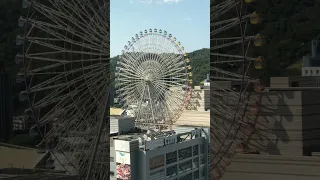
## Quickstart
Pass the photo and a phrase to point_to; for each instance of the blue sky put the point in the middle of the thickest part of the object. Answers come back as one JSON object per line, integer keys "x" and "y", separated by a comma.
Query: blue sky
{"x": 187, "y": 20}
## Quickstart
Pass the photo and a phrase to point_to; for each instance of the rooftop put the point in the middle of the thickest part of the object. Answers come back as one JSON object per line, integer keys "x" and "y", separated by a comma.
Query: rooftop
{"x": 39, "y": 174}
{"x": 152, "y": 139}
{"x": 19, "y": 157}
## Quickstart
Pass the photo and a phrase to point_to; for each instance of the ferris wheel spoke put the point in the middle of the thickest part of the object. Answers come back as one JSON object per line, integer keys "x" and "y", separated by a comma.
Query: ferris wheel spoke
{"x": 64, "y": 50}
{"x": 51, "y": 98}
{"x": 63, "y": 17}
{"x": 53, "y": 30}
{"x": 72, "y": 125}
{"x": 235, "y": 41}
{"x": 131, "y": 63}
{"x": 232, "y": 56}
{"x": 173, "y": 71}
{"x": 131, "y": 77}
{"x": 46, "y": 85}
{"x": 170, "y": 82}
{"x": 58, "y": 70}
{"x": 174, "y": 97}
{"x": 70, "y": 98}
{"x": 67, "y": 107}
{"x": 222, "y": 8}
{"x": 65, "y": 39}
{"x": 130, "y": 71}
{"x": 174, "y": 62}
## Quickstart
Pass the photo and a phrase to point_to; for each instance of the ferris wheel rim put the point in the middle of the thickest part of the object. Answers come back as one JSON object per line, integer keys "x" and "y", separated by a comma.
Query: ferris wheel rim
{"x": 166, "y": 37}
{"x": 224, "y": 148}
{"x": 26, "y": 60}
{"x": 31, "y": 107}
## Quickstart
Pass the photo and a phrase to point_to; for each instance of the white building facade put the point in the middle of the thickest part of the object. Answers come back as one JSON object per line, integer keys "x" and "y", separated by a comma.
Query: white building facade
{"x": 311, "y": 64}
{"x": 175, "y": 157}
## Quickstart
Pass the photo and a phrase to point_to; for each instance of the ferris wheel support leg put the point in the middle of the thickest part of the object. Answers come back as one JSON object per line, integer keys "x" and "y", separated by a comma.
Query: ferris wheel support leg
{"x": 140, "y": 103}
{"x": 101, "y": 126}
{"x": 154, "y": 120}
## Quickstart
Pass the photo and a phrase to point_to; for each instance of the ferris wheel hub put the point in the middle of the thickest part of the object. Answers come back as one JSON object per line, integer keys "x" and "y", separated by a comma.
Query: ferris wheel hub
{"x": 148, "y": 78}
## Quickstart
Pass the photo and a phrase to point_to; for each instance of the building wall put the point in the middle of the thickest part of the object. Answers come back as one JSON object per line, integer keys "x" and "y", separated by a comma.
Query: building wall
{"x": 266, "y": 167}
{"x": 176, "y": 147}
{"x": 295, "y": 81}
{"x": 113, "y": 164}
{"x": 279, "y": 123}
{"x": 6, "y": 108}
{"x": 310, "y": 71}
{"x": 194, "y": 118}
{"x": 200, "y": 99}
{"x": 121, "y": 124}
{"x": 287, "y": 123}
{"x": 140, "y": 161}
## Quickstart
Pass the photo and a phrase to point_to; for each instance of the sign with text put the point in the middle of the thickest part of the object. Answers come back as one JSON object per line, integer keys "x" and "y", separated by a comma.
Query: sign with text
{"x": 171, "y": 140}
{"x": 196, "y": 132}
{"x": 122, "y": 157}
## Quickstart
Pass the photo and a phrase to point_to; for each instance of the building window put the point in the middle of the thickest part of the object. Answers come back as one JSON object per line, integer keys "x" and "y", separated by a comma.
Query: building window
{"x": 157, "y": 174}
{"x": 111, "y": 173}
{"x": 203, "y": 172}
{"x": 156, "y": 162}
{"x": 185, "y": 166}
{"x": 196, "y": 175}
{"x": 202, "y": 160}
{"x": 306, "y": 71}
{"x": 195, "y": 163}
{"x": 201, "y": 149}
{"x": 185, "y": 153}
{"x": 172, "y": 171}
{"x": 171, "y": 157}
{"x": 111, "y": 159}
{"x": 195, "y": 150}
{"x": 317, "y": 71}
{"x": 294, "y": 84}
{"x": 186, "y": 177}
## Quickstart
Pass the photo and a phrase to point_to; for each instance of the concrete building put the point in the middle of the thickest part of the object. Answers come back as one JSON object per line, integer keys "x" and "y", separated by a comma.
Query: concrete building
{"x": 121, "y": 124}
{"x": 311, "y": 63}
{"x": 294, "y": 81}
{"x": 286, "y": 132}
{"x": 194, "y": 118}
{"x": 269, "y": 167}
{"x": 200, "y": 99}
{"x": 159, "y": 156}
{"x": 287, "y": 123}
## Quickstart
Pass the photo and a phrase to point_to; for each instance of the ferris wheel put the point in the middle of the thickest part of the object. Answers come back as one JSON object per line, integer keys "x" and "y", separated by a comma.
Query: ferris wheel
{"x": 154, "y": 74}
{"x": 65, "y": 69}
{"x": 233, "y": 67}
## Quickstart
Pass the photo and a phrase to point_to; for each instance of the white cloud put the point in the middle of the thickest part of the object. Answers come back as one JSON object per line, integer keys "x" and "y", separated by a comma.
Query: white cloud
{"x": 156, "y": 1}
{"x": 168, "y": 1}
{"x": 187, "y": 18}
{"x": 146, "y": 1}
